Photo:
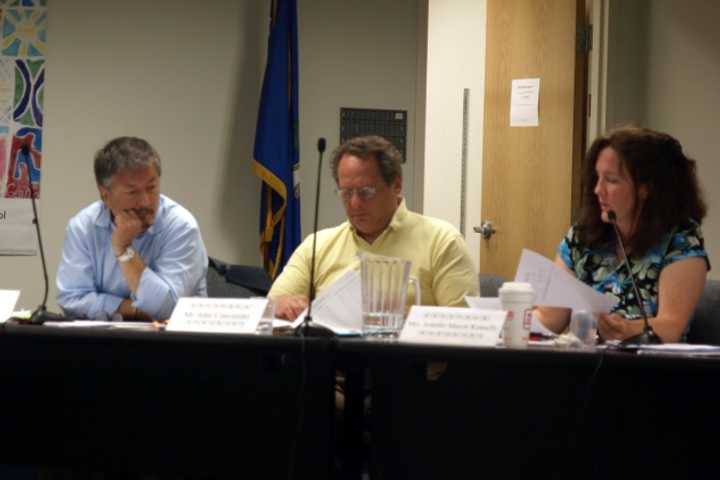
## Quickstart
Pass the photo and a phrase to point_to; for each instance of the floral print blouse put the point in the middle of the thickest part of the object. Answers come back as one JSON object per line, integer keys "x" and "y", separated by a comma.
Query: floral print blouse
{"x": 601, "y": 269}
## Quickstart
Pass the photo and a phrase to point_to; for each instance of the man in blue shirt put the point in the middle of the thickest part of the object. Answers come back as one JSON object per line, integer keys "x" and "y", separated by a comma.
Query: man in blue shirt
{"x": 135, "y": 251}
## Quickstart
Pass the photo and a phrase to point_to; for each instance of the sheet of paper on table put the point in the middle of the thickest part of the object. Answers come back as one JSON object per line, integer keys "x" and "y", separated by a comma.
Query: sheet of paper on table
{"x": 102, "y": 324}
{"x": 8, "y": 299}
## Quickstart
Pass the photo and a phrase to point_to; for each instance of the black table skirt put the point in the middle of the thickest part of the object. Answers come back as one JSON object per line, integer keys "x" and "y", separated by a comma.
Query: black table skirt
{"x": 166, "y": 403}
{"x": 221, "y": 406}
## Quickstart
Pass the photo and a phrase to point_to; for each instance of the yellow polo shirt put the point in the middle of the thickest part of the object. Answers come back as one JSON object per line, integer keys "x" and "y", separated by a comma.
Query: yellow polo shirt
{"x": 438, "y": 253}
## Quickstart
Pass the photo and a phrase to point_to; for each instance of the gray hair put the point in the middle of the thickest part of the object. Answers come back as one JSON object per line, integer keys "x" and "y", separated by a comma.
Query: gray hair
{"x": 374, "y": 147}
{"x": 124, "y": 153}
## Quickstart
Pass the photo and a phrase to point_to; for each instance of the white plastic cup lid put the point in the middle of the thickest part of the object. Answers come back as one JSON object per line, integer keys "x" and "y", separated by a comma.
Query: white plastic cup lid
{"x": 517, "y": 287}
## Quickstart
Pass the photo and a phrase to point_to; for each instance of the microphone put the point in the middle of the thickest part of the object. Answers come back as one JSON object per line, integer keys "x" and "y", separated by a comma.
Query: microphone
{"x": 648, "y": 335}
{"x": 308, "y": 328}
{"x": 41, "y": 314}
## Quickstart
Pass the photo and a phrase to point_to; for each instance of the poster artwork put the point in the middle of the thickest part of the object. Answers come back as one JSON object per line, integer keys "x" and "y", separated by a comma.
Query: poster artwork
{"x": 23, "y": 42}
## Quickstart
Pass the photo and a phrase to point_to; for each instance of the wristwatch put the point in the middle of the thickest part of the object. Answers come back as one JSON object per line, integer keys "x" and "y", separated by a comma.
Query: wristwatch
{"x": 127, "y": 255}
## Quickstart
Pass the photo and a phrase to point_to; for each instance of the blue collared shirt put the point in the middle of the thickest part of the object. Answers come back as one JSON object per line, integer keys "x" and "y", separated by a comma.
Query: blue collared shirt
{"x": 89, "y": 280}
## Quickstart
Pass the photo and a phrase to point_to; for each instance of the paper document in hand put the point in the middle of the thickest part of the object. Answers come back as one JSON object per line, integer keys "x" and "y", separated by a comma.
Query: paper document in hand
{"x": 557, "y": 288}
{"x": 339, "y": 307}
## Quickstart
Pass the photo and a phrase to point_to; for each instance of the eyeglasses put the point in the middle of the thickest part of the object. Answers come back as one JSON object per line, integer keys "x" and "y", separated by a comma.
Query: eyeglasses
{"x": 363, "y": 193}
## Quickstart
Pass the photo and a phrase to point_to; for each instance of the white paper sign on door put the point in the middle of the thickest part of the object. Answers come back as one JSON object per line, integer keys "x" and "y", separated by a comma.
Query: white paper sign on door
{"x": 524, "y": 100}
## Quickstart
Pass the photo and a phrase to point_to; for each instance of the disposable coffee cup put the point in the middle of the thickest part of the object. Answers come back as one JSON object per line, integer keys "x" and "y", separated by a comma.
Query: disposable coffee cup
{"x": 517, "y": 298}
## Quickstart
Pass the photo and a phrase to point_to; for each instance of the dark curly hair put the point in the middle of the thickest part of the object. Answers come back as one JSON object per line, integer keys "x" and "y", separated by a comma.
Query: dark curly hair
{"x": 655, "y": 160}
{"x": 374, "y": 147}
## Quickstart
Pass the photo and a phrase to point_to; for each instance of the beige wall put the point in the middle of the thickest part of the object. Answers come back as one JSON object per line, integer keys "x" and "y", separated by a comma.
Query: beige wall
{"x": 187, "y": 77}
{"x": 683, "y": 94}
{"x": 357, "y": 54}
{"x": 184, "y": 78}
{"x": 627, "y": 60}
{"x": 680, "y": 71}
{"x": 662, "y": 72}
{"x": 456, "y": 60}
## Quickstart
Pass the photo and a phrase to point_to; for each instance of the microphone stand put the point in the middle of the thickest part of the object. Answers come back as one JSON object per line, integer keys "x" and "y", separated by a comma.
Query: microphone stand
{"x": 308, "y": 328}
{"x": 41, "y": 314}
{"x": 648, "y": 335}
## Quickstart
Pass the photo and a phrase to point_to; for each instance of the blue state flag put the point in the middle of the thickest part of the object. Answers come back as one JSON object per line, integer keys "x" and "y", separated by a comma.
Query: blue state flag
{"x": 276, "y": 158}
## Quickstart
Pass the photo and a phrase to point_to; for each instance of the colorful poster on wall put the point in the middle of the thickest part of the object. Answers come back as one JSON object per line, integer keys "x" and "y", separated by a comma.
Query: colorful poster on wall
{"x": 23, "y": 41}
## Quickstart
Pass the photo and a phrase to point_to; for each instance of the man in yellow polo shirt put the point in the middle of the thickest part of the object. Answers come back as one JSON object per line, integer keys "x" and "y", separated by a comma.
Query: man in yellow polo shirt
{"x": 368, "y": 174}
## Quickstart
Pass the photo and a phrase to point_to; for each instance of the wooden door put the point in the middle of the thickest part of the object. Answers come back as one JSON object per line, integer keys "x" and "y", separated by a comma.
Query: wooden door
{"x": 530, "y": 174}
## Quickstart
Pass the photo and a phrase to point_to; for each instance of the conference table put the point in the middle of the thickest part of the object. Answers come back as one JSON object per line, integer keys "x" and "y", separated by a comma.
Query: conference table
{"x": 457, "y": 412}
{"x": 166, "y": 404}
{"x": 223, "y": 406}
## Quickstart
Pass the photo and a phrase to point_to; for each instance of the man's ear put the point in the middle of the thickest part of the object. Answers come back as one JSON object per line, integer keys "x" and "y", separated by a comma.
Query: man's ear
{"x": 644, "y": 191}
{"x": 104, "y": 194}
{"x": 397, "y": 185}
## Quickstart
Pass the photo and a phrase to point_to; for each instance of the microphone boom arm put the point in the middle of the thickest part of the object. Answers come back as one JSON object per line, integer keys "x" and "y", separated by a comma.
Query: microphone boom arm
{"x": 308, "y": 327}
{"x": 41, "y": 314}
{"x": 648, "y": 335}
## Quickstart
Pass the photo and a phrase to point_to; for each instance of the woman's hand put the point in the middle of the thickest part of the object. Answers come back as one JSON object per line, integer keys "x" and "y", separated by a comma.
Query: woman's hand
{"x": 614, "y": 327}
{"x": 680, "y": 286}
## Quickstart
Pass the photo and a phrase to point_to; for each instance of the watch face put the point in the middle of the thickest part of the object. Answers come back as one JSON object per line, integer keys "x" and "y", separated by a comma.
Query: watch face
{"x": 127, "y": 255}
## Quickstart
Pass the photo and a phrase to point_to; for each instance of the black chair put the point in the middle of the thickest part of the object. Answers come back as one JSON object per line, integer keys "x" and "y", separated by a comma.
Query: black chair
{"x": 236, "y": 281}
{"x": 490, "y": 284}
{"x": 705, "y": 324}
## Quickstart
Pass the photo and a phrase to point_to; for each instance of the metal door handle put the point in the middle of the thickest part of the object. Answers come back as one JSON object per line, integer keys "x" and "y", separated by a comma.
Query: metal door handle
{"x": 485, "y": 229}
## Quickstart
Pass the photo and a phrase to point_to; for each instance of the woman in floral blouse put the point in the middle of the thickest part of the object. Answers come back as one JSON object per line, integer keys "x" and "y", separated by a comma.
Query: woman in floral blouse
{"x": 646, "y": 179}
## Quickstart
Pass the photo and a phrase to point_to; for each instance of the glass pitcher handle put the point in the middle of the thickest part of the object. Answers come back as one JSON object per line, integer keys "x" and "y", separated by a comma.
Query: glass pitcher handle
{"x": 416, "y": 284}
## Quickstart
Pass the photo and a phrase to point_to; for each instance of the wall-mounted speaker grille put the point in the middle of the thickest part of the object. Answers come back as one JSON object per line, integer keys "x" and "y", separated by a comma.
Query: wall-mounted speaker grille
{"x": 391, "y": 124}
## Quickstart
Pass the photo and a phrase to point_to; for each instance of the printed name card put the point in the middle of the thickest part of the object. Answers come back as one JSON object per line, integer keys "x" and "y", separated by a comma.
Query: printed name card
{"x": 217, "y": 315}
{"x": 8, "y": 299}
{"x": 454, "y": 326}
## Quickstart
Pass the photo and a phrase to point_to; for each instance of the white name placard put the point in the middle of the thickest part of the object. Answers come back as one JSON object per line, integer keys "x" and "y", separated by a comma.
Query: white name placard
{"x": 219, "y": 315}
{"x": 17, "y": 233}
{"x": 8, "y": 299}
{"x": 454, "y": 326}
